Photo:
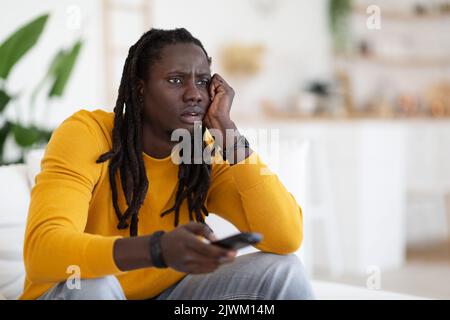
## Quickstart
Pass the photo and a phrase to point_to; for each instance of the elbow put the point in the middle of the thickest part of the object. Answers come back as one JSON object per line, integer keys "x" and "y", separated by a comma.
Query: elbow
{"x": 290, "y": 239}
{"x": 286, "y": 244}
{"x": 31, "y": 260}
{"x": 290, "y": 244}
{"x": 295, "y": 239}
{"x": 32, "y": 274}
{"x": 35, "y": 257}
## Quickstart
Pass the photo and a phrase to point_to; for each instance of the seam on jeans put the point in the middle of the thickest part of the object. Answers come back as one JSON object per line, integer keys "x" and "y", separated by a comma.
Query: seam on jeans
{"x": 242, "y": 296}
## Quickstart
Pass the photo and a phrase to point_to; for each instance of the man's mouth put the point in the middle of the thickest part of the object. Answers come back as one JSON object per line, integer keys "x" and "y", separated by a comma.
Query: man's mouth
{"x": 191, "y": 117}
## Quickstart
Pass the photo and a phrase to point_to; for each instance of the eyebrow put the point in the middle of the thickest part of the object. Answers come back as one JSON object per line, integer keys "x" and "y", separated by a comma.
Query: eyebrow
{"x": 188, "y": 73}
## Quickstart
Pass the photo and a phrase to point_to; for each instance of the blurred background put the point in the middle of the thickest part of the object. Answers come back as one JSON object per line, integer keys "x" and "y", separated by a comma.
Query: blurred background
{"x": 364, "y": 84}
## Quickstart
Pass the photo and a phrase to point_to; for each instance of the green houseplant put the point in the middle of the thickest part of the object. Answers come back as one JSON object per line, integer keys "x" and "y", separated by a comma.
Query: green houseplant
{"x": 51, "y": 86}
{"x": 339, "y": 14}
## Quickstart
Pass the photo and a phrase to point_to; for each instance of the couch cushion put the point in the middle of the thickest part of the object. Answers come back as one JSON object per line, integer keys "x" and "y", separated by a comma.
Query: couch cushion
{"x": 338, "y": 291}
{"x": 16, "y": 182}
{"x": 15, "y": 192}
{"x": 12, "y": 271}
{"x": 33, "y": 162}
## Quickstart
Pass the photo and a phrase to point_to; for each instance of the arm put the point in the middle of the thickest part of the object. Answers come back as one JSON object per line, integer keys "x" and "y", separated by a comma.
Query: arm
{"x": 256, "y": 203}
{"x": 58, "y": 212}
{"x": 180, "y": 249}
{"x": 132, "y": 253}
{"x": 55, "y": 236}
{"x": 241, "y": 194}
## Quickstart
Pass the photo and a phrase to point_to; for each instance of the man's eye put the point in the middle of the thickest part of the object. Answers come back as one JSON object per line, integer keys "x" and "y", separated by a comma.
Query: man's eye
{"x": 204, "y": 82}
{"x": 175, "y": 80}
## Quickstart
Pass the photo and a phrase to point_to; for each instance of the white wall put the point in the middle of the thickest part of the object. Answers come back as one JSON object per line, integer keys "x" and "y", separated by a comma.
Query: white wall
{"x": 406, "y": 54}
{"x": 85, "y": 89}
{"x": 294, "y": 34}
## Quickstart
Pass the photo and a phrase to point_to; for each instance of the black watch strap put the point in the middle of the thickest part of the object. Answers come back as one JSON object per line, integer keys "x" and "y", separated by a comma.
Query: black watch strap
{"x": 155, "y": 250}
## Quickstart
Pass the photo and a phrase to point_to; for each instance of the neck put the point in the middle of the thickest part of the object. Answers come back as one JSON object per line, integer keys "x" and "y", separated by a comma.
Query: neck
{"x": 156, "y": 144}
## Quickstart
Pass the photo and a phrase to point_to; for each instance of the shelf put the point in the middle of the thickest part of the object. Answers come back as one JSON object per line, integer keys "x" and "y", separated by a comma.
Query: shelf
{"x": 297, "y": 116}
{"x": 404, "y": 16}
{"x": 398, "y": 62}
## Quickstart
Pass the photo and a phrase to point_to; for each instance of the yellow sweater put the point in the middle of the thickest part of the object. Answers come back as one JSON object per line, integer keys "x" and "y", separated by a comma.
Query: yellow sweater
{"x": 71, "y": 219}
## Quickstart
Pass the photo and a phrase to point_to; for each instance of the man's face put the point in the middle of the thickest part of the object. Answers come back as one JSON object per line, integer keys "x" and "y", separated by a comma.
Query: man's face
{"x": 176, "y": 90}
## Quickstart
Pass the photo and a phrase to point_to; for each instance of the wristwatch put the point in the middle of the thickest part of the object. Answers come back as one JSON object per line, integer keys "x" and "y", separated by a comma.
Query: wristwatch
{"x": 155, "y": 250}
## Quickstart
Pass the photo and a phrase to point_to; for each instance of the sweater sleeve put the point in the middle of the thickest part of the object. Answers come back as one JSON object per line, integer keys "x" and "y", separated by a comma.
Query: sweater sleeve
{"x": 58, "y": 212}
{"x": 254, "y": 201}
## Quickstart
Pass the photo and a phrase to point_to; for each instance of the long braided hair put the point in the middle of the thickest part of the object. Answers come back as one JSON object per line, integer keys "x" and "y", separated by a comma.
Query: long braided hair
{"x": 126, "y": 154}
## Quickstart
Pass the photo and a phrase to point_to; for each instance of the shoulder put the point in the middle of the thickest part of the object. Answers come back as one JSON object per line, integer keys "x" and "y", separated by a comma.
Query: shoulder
{"x": 95, "y": 120}
{"x": 78, "y": 142}
{"x": 97, "y": 124}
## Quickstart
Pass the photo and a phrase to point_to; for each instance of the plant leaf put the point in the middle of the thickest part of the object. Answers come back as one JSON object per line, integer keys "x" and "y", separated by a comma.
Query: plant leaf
{"x": 4, "y": 131}
{"x": 4, "y": 99}
{"x": 44, "y": 135}
{"x": 56, "y": 62}
{"x": 25, "y": 136}
{"x": 19, "y": 43}
{"x": 62, "y": 67}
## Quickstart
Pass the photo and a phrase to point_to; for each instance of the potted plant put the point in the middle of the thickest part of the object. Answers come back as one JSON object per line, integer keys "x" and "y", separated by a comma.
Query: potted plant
{"x": 51, "y": 85}
{"x": 339, "y": 14}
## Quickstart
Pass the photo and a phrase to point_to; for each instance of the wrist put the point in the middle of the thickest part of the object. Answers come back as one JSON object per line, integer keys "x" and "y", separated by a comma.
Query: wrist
{"x": 237, "y": 151}
{"x": 221, "y": 123}
{"x": 132, "y": 253}
{"x": 156, "y": 251}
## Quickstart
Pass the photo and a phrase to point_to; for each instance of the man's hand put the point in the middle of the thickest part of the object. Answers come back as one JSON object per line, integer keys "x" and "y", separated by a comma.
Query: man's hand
{"x": 218, "y": 114}
{"x": 183, "y": 251}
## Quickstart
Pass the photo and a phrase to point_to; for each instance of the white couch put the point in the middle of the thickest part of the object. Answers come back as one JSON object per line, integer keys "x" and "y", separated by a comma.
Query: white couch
{"x": 16, "y": 182}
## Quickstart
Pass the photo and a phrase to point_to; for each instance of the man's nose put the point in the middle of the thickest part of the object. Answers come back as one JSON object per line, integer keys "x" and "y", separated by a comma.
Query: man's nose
{"x": 192, "y": 93}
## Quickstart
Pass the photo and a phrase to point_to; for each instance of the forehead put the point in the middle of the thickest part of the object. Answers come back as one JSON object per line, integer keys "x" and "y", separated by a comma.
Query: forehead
{"x": 185, "y": 57}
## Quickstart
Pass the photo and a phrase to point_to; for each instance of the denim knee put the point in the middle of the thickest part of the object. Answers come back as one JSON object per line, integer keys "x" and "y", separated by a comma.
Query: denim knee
{"x": 284, "y": 276}
{"x": 266, "y": 260}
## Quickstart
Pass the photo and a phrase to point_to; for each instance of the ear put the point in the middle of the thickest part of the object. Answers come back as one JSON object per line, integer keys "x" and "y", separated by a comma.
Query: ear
{"x": 140, "y": 87}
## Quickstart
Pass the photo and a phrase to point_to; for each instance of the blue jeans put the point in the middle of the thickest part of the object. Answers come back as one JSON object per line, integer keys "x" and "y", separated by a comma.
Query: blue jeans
{"x": 255, "y": 276}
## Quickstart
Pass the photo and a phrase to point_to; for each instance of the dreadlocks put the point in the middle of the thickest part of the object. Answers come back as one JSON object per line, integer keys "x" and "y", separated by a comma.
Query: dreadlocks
{"x": 126, "y": 154}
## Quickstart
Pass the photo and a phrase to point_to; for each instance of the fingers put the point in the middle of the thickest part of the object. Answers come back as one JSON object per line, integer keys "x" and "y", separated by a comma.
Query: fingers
{"x": 198, "y": 256}
{"x": 201, "y": 247}
{"x": 211, "y": 251}
{"x": 219, "y": 78}
{"x": 208, "y": 250}
{"x": 211, "y": 237}
{"x": 200, "y": 229}
{"x": 217, "y": 82}
{"x": 212, "y": 89}
{"x": 197, "y": 263}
